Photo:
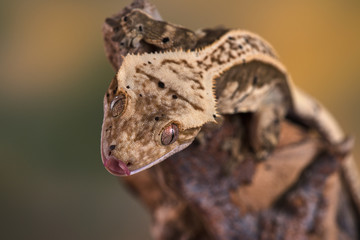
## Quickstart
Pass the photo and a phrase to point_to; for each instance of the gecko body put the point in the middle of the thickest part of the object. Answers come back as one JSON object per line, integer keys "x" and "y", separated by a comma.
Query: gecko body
{"x": 171, "y": 94}
{"x": 158, "y": 102}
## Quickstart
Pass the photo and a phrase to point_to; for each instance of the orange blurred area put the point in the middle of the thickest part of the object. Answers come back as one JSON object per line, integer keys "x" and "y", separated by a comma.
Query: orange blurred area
{"x": 54, "y": 72}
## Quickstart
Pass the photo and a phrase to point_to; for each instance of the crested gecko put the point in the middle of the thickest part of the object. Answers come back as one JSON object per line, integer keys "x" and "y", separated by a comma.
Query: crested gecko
{"x": 138, "y": 25}
{"x": 158, "y": 102}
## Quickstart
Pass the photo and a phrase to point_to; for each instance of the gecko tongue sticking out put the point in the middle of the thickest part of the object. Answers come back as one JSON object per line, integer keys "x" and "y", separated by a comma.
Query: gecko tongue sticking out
{"x": 114, "y": 165}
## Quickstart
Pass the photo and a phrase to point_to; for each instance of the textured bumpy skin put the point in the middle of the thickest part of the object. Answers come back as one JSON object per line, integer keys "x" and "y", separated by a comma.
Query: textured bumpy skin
{"x": 153, "y": 91}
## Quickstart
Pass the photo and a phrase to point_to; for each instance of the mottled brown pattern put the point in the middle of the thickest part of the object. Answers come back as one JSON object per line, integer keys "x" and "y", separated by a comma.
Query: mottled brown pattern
{"x": 244, "y": 77}
{"x": 115, "y": 35}
{"x": 130, "y": 133}
{"x": 138, "y": 25}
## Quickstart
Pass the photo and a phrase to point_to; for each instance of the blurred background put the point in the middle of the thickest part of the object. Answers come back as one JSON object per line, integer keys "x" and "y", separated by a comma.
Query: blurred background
{"x": 53, "y": 74}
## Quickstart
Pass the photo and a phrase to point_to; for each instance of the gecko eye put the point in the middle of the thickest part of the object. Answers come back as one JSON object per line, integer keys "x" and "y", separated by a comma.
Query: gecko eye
{"x": 170, "y": 134}
{"x": 118, "y": 105}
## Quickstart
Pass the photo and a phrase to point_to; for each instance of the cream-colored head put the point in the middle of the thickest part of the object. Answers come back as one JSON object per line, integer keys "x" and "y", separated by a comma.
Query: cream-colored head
{"x": 154, "y": 108}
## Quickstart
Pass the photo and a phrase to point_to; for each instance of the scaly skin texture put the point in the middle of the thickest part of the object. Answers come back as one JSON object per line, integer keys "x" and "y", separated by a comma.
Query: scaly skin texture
{"x": 157, "y": 90}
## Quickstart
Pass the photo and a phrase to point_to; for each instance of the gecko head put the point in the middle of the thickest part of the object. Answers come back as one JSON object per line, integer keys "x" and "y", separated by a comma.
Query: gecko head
{"x": 147, "y": 118}
{"x": 133, "y": 22}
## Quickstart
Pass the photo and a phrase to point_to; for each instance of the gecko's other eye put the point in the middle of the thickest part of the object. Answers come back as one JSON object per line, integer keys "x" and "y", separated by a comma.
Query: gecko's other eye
{"x": 165, "y": 39}
{"x": 170, "y": 134}
{"x": 118, "y": 105}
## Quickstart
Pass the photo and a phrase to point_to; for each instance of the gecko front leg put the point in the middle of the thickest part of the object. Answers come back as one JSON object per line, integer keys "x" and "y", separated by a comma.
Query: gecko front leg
{"x": 264, "y": 130}
{"x": 138, "y": 26}
{"x": 264, "y": 127}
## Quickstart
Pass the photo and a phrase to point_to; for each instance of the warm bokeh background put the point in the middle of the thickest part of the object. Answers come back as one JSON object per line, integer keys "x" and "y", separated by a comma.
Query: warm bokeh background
{"x": 53, "y": 74}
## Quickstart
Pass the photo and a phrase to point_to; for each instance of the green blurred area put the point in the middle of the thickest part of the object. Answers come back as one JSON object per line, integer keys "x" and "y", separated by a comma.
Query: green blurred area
{"x": 53, "y": 74}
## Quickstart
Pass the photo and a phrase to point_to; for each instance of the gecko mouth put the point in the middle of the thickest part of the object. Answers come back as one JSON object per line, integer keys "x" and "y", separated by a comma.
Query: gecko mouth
{"x": 114, "y": 165}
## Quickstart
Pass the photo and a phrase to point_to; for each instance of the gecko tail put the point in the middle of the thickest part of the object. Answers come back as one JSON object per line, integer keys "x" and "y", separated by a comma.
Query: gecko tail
{"x": 343, "y": 149}
{"x": 316, "y": 116}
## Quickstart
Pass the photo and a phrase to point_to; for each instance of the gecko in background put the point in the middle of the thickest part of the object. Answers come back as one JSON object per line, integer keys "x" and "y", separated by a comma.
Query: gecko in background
{"x": 138, "y": 25}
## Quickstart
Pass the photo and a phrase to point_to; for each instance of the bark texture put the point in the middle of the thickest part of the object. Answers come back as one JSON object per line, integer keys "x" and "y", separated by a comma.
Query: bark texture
{"x": 214, "y": 189}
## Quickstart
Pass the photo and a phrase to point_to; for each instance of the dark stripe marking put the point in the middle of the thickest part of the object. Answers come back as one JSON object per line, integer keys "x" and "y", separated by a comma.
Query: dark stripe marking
{"x": 170, "y": 91}
{"x": 181, "y": 61}
{"x": 200, "y": 86}
{"x": 243, "y": 98}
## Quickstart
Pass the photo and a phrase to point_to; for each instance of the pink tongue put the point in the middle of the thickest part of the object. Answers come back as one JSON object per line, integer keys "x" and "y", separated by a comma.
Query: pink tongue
{"x": 116, "y": 167}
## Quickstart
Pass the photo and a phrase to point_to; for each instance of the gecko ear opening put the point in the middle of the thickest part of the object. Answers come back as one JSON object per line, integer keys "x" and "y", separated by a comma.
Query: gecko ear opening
{"x": 169, "y": 134}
